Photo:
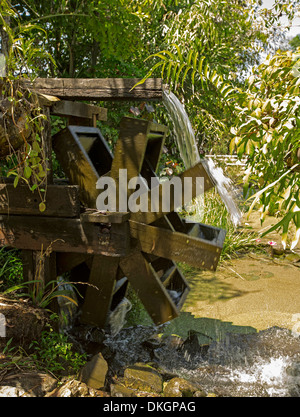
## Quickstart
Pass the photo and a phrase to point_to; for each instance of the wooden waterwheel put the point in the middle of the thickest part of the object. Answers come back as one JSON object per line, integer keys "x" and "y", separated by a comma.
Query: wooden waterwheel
{"x": 107, "y": 250}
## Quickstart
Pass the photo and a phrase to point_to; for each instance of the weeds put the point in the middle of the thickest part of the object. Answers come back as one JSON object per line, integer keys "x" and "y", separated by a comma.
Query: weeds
{"x": 11, "y": 268}
{"x": 55, "y": 354}
{"x": 214, "y": 213}
{"x": 40, "y": 294}
{"x": 52, "y": 353}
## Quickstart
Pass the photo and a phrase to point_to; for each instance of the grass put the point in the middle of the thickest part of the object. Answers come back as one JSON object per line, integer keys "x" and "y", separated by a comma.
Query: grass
{"x": 11, "y": 268}
{"x": 214, "y": 213}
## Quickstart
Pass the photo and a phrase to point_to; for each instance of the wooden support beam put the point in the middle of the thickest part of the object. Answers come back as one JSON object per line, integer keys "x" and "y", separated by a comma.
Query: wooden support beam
{"x": 197, "y": 171}
{"x": 99, "y": 293}
{"x": 130, "y": 148}
{"x": 61, "y": 201}
{"x": 195, "y": 251}
{"x": 67, "y": 261}
{"x": 104, "y": 217}
{"x": 98, "y": 88}
{"x": 149, "y": 288}
{"x": 66, "y": 108}
{"x": 64, "y": 235}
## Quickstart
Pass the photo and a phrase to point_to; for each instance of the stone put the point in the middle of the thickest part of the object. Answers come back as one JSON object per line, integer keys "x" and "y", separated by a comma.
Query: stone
{"x": 199, "y": 393}
{"x": 277, "y": 249}
{"x": 8, "y": 391}
{"x": 180, "y": 387}
{"x": 118, "y": 390}
{"x": 31, "y": 384}
{"x": 143, "y": 377}
{"x": 93, "y": 374}
{"x": 74, "y": 388}
{"x": 294, "y": 369}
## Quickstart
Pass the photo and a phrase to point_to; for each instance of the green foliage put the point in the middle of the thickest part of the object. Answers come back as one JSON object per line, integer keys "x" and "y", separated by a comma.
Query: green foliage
{"x": 267, "y": 130}
{"x": 23, "y": 59}
{"x": 137, "y": 315}
{"x": 295, "y": 42}
{"x": 40, "y": 294}
{"x": 54, "y": 353}
{"x": 11, "y": 268}
{"x": 215, "y": 214}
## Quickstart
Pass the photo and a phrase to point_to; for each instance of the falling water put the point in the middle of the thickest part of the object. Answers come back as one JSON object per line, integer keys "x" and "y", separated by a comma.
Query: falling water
{"x": 183, "y": 130}
{"x": 186, "y": 141}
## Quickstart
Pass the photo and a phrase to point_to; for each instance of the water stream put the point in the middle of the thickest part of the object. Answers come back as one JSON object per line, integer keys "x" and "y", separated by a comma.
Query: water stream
{"x": 187, "y": 145}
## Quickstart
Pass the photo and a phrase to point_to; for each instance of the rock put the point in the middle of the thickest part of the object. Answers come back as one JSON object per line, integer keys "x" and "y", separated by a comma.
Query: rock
{"x": 143, "y": 377}
{"x": 200, "y": 393}
{"x": 277, "y": 249}
{"x": 180, "y": 387}
{"x": 74, "y": 388}
{"x": 8, "y": 391}
{"x": 294, "y": 369}
{"x": 94, "y": 372}
{"x": 118, "y": 390}
{"x": 292, "y": 257}
{"x": 30, "y": 384}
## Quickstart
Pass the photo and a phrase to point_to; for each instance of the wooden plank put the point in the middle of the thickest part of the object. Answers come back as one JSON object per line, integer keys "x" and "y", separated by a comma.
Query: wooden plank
{"x": 28, "y": 265}
{"x": 148, "y": 287}
{"x": 97, "y": 301}
{"x": 130, "y": 148}
{"x": 104, "y": 217}
{"x": 98, "y": 88}
{"x": 178, "y": 246}
{"x": 64, "y": 235}
{"x": 206, "y": 232}
{"x": 66, "y": 261}
{"x": 61, "y": 201}
{"x": 197, "y": 171}
{"x": 81, "y": 110}
{"x": 84, "y": 156}
{"x": 129, "y": 154}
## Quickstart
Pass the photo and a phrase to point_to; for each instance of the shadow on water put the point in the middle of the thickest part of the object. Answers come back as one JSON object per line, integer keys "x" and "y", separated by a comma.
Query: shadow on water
{"x": 205, "y": 330}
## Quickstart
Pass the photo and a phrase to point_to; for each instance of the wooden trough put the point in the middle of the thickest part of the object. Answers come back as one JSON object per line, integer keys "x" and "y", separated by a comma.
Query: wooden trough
{"x": 107, "y": 250}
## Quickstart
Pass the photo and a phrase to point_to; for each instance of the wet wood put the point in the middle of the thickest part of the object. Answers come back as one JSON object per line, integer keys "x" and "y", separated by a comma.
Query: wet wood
{"x": 64, "y": 235}
{"x": 149, "y": 288}
{"x": 177, "y": 246}
{"x": 67, "y": 261}
{"x": 104, "y": 217}
{"x": 98, "y": 88}
{"x": 98, "y": 300}
{"x": 84, "y": 156}
{"x": 61, "y": 201}
{"x": 66, "y": 108}
{"x": 197, "y": 171}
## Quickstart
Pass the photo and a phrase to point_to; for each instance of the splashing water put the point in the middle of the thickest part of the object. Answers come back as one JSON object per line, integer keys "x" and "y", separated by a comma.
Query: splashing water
{"x": 186, "y": 141}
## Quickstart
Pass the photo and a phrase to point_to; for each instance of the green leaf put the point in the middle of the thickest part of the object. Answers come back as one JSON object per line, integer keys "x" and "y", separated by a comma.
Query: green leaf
{"x": 34, "y": 187}
{"x": 27, "y": 172}
{"x": 42, "y": 207}
{"x": 16, "y": 181}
